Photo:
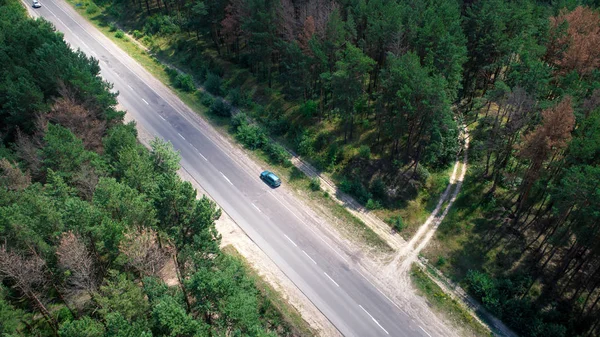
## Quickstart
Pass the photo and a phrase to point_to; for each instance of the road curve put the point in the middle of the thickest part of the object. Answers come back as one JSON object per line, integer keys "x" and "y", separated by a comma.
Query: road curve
{"x": 291, "y": 239}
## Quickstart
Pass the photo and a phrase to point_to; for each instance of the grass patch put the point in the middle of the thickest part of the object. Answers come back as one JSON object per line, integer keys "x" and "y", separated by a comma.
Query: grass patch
{"x": 445, "y": 304}
{"x": 288, "y": 313}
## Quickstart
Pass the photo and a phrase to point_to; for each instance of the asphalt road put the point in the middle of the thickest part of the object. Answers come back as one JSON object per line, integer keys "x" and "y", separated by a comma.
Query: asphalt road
{"x": 322, "y": 273}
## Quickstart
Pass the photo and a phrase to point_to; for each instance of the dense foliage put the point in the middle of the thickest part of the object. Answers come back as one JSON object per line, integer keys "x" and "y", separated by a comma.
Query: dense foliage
{"x": 374, "y": 90}
{"x": 93, "y": 225}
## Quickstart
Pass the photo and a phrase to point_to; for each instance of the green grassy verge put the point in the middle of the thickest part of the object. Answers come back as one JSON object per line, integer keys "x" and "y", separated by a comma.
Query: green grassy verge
{"x": 289, "y": 314}
{"x": 157, "y": 69}
{"x": 443, "y": 303}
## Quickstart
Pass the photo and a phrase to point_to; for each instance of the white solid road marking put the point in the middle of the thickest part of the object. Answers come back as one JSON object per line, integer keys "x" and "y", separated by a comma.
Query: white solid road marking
{"x": 258, "y": 209}
{"x": 374, "y": 320}
{"x": 161, "y": 117}
{"x": 315, "y": 262}
{"x": 425, "y": 331}
{"x": 329, "y": 277}
{"x": 291, "y": 240}
{"x": 224, "y": 176}
{"x": 145, "y": 101}
{"x": 183, "y": 137}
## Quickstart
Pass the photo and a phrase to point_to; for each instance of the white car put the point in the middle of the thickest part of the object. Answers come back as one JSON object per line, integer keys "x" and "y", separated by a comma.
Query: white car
{"x": 36, "y": 4}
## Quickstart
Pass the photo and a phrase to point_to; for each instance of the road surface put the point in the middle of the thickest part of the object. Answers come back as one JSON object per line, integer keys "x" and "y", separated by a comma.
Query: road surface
{"x": 322, "y": 273}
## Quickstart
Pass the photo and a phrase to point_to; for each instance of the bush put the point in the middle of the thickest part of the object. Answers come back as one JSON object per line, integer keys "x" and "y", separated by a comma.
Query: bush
{"x": 119, "y": 34}
{"x": 309, "y": 109}
{"x": 213, "y": 84}
{"x": 397, "y": 223}
{"x": 277, "y": 154}
{"x": 92, "y": 9}
{"x": 205, "y": 99}
{"x": 305, "y": 144}
{"x": 112, "y": 27}
{"x": 185, "y": 82}
{"x": 251, "y": 136}
{"x": 356, "y": 189}
{"x": 315, "y": 184}
{"x": 238, "y": 120}
{"x": 160, "y": 24}
{"x": 278, "y": 126}
{"x": 364, "y": 152}
{"x": 373, "y": 204}
{"x": 220, "y": 108}
{"x": 137, "y": 34}
{"x": 441, "y": 261}
{"x": 378, "y": 189}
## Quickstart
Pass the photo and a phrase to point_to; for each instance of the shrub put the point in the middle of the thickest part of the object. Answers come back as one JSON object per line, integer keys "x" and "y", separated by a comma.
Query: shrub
{"x": 309, "y": 108}
{"x": 119, "y": 34}
{"x": 364, "y": 152}
{"x": 148, "y": 41}
{"x": 172, "y": 73}
{"x": 240, "y": 98}
{"x": 397, "y": 223}
{"x": 238, "y": 120}
{"x": 137, "y": 34}
{"x": 441, "y": 261}
{"x": 373, "y": 204}
{"x": 277, "y": 154}
{"x": 356, "y": 189}
{"x": 213, "y": 84}
{"x": 305, "y": 144}
{"x": 205, "y": 99}
{"x": 185, "y": 82}
{"x": 112, "y": 27}
{"x": 160, "y": 24}
{"x": 278, "y": 126}
{"x": 92, "y": 9}
{"x": 315, "y": 184}
{"x": 220, "y": 108}
{"x": 251, "y": 136}
{"x": 378, "y": 189}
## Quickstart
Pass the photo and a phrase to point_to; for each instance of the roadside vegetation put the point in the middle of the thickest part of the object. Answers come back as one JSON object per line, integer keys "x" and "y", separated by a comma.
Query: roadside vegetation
{"x": 442, "y": 302}
{"x": 98, "y": 235}
{"x": 372, "y": 93}
{"x": 295, "y": 97}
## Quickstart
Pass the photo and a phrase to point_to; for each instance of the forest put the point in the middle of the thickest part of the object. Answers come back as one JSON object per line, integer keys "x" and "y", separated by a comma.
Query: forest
{"x": 375, "y": 93}
{"x": 98, "y": 235}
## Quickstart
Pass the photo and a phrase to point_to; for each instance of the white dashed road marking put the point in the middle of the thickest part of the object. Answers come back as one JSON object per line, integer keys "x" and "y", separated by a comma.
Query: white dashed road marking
{"x": 329, "y": 277}
{"x": 315, "y": 262}
{"x": 183, "y": 138}
{"x": 161, "y": 117}
{"x": 287, "y": 237}
{"x": 374, "y": 320}
{"x": 258, "y": 209}
{"x": 130, "y": 87}
{"x": 224, "y": 176}
{"x": 145, "y": 101}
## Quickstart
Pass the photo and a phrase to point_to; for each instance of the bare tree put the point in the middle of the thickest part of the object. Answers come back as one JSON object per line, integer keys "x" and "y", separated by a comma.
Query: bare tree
{"x": 82, "y": 122}
{"x": 74, "y": 256}
{"x": 27, "y": 276}
{"x": 12, "y": 177}
{"x": 144, "y": 252}
{"x": 27, "y": 150}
